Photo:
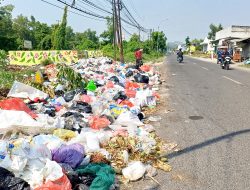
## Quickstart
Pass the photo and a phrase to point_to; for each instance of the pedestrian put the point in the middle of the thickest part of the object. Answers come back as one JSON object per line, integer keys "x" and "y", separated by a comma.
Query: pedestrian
{"x": 138, "y": 57}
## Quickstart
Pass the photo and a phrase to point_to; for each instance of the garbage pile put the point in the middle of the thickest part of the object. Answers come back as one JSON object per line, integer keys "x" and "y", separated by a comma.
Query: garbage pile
{"x": 82, "y": 132}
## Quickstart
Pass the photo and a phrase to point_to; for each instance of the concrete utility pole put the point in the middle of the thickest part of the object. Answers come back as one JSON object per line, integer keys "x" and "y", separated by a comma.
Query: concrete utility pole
{"x": 114, "y": 28}
{"x": 120, "y": 30}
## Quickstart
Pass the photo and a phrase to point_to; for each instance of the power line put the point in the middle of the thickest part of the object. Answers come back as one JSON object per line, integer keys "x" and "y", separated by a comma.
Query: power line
{"x": 83, "y": 11}
{"x": 71, "y": 11}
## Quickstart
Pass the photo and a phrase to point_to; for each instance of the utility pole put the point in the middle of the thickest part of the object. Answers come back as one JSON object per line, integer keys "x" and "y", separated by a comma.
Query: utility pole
{"x": 120, "y": 30}
{"x": 114, "y": 28}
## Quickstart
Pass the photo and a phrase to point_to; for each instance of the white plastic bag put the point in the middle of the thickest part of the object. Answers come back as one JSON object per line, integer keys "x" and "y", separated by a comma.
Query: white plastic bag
{"x": 134, "y": 171}
{"x": 127, "y": 119}
{"x": 20, "y": 90}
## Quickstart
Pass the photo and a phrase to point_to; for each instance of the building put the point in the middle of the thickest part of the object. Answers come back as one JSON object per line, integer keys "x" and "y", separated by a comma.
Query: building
{"x": 236, "y": 38}
{"x": 207, "y": 45}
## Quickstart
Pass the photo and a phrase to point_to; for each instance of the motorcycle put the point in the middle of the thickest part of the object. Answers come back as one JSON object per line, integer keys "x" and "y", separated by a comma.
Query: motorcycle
{"x": 180, "y": 59}
{"x": 225, "y": 64}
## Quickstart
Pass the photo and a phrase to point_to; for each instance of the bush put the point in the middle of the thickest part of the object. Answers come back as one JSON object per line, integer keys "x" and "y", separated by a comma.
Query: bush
{"x": 46, "y": 62}
{"x": 3, "y": 58}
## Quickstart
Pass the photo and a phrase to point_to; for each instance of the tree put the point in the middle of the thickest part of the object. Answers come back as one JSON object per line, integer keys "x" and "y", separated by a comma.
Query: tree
{"x": 197, "y": 44}
{"x": 108, "y": 35}
{"x": 213, "y": 30}
{"x": 70, "y": 38}
{"x": 159, "y": 41}
{"x": 59, "y": 42}
{"x": 187, "y": 40}
{"x": 87, "y": 40}
{"x": 7, "y": 39}
{"x": 22, "y": 30}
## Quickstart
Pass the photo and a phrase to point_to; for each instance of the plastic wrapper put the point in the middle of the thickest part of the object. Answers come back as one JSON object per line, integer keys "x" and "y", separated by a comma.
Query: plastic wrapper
{"x": 20, "y": 90}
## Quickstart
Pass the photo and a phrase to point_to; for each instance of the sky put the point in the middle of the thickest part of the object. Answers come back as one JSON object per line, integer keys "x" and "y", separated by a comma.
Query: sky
{"x": 176, "y": 18}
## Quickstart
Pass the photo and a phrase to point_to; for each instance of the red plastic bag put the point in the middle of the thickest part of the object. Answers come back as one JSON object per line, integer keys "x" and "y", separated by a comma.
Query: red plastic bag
{"x": 61, "y": 184}
{"x": 130, "y": 93}
{"x": 155, "y": 94}
{"x": 131, "y": 85}
{"x": 127, "y": 103}
{"x": 97, "y": 122}
{"x": 145, "y": 68}
{"x": 18, "y": 105}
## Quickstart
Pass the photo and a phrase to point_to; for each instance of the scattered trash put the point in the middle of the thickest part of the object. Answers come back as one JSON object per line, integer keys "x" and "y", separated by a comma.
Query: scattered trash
{"x": 134, "y": 171}
{"x": 84, "y": 124}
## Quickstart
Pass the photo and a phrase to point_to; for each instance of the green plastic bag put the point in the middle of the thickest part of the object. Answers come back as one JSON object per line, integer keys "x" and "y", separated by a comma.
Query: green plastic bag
{"x": 91, "y": 86}
{"x": 105, "y": 175}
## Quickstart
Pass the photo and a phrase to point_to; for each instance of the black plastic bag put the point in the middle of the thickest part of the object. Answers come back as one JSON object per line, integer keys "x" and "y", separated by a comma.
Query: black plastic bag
{"x": 82, "y": 107}
{"x": 114, "y": 79}
{"x": 69, "y": 96}
{"x": 120, "y": 95}
{"x": 80, "y": 182}
{"x": 129, "y": 73}
{"x": 141, "y": 78}
{"x": 8, "y": 181}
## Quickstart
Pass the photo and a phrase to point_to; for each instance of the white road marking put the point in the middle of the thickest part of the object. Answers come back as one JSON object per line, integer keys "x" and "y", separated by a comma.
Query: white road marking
{"x": 205, "y": 68}
{"x": 237, "y": 82}
{"x": 195, "y": 63}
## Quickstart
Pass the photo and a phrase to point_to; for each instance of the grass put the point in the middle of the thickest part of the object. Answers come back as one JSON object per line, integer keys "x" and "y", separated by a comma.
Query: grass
{"x": 8, "y": 76}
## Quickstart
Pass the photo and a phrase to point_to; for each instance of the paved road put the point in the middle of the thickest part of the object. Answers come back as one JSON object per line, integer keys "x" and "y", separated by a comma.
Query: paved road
{"x": 211, "y": 123}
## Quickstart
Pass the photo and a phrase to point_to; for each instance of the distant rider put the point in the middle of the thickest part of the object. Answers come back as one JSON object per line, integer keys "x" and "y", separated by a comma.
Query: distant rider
{"x": 180, "y": 54}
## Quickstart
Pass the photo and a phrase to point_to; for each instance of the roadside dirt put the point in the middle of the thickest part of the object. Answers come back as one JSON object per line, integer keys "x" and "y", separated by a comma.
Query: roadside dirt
{"x": 161, "y": 110}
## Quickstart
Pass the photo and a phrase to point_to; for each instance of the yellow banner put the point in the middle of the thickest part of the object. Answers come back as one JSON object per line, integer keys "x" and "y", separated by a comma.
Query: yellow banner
{"x": 35, "y": 57}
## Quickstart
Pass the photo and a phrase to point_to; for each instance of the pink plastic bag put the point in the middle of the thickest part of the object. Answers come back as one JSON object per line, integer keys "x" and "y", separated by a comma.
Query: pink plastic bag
{"x": 97, "y": 122}
{"x": 86, "y": 98}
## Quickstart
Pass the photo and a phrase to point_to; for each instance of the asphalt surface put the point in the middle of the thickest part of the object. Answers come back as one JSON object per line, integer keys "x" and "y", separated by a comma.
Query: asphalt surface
{"x": 211, "y": 124}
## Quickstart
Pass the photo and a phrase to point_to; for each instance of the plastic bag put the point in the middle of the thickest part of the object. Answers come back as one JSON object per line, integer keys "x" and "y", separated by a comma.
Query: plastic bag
{"x": 86, "y": 98}
{"x": 97, "y": 122}
{"x": 126, "y": 103}
{"x": 141, "y": 78}
{"x": 130, "y": 93}
{"x": 128, "y": 119}
{"x": 64, "y": 134}
{"x": 91, "y": 86}
{"x": 16, "y": 104}
{"x": 69, "y": 154}
{"x": 129, "y": 73}
{"x": 105, "y": 175}
{"x": 18, "y": 121}
{"x": 120, "y": 95}
{"x": 145, "y": 68}
{"x": 134, "y": 171}
{"x": 110, "y": 84}
{"x": 9, "y": 182}
{"x": 61, "y": 184}
{"x": 20, "y": 90}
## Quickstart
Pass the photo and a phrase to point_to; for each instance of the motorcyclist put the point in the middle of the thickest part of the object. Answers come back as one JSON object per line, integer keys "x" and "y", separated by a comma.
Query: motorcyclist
{"x": 180, "y": 54}
{"x": 219, "y": 56}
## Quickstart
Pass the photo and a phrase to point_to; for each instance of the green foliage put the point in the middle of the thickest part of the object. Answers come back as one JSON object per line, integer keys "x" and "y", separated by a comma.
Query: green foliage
{"x": 187, "y": 40}
{"x": 46, "y": 62}
{"x": 59, "y": 42}
{"x": 159, "y": 41}
{"x": 87, "y": 40}
{"x": 3, "y": 59}
{"x": 213, "y": 30}
{"x": 73, "y": 79}
{"x": 108, "y": 35}
{"x": 197, "y": 44}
